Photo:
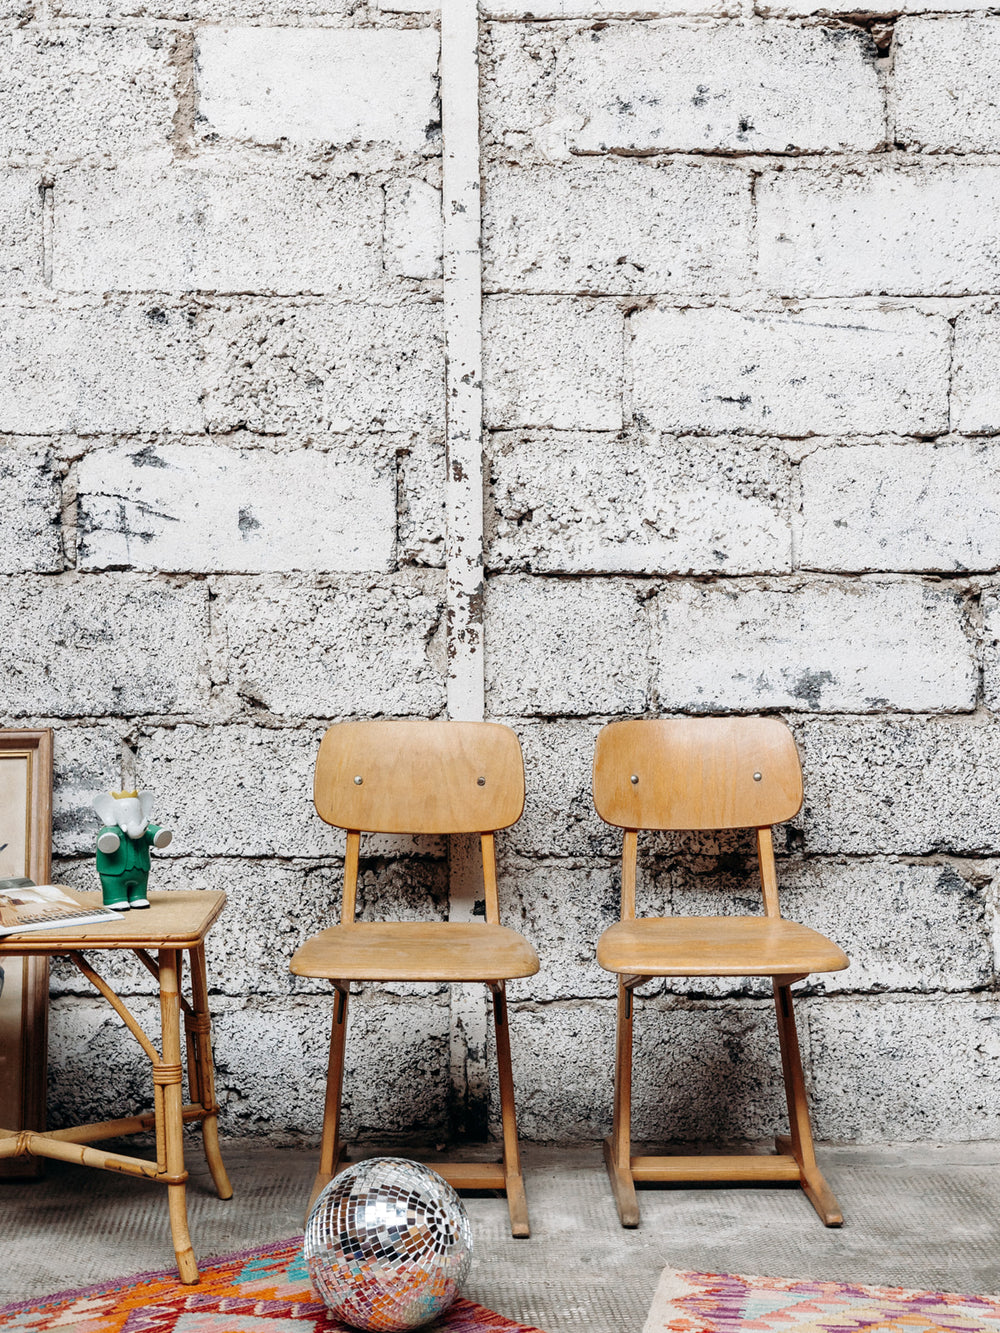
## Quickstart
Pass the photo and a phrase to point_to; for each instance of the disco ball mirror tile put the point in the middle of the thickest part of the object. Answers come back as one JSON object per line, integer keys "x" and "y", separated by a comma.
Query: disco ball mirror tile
{"x": 388, "y": 1244}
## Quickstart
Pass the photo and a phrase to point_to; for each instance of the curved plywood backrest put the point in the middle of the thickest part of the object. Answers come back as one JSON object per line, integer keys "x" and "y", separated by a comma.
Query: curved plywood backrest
{"x": 419, "y": 777}
{"x": 697, "y": 773}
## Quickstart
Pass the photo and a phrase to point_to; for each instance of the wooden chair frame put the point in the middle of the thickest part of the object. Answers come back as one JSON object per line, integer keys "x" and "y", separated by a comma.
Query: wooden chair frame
{"x": 505, "y": 1175}
{"x": 794, "y": 1158}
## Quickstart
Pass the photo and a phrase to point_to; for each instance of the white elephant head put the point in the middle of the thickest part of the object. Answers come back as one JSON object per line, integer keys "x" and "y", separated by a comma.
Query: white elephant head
{"x": 128, "y": 810}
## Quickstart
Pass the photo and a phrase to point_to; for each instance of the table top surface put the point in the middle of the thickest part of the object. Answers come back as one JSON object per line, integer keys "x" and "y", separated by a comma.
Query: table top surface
{"x": 179, "y": 919}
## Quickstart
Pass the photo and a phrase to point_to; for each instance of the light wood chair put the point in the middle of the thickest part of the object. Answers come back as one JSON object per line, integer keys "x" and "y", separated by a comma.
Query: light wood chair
{"x": 422, "y": 777}
{"x": 707, "y": 773}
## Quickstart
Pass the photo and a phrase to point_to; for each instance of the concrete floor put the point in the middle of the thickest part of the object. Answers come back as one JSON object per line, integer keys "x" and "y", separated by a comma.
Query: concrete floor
{"x": 917, "y": 1216}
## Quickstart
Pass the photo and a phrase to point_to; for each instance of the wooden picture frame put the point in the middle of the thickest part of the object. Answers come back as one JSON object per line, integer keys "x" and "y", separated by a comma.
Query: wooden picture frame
{"x": 25, "y": 850}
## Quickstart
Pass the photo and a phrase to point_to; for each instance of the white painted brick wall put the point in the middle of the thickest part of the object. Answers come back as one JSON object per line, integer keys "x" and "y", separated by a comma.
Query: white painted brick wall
{"x": 820, "y": 371}
{"x": 916, "y": 505}
{"x": 552, "y": 361}
{"x": 119, "y": 366}
{"x": 574, "y": 502}
{"x": 223, "y": 461}
{"x": 674, "y": 87}
{"x": 889, "y": 230}
{"x": 831, "y": 647}
{"x": 30, "y": 503}
{"x": 76, "y": 647}
{"x": 221, "y": 227}
{"x": 212, "y": 507}
{"x": 332, "y": 86}
{"x": 945, "y": 88}
{"x": 68, "y": 93}
{"x": 618, "y": 226}
{"x": 566, "y": 648}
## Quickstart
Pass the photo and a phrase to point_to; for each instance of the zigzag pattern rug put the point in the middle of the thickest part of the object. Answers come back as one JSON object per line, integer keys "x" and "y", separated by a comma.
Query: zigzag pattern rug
{"x": 266, "y": 1290}
{"x": 727, "y": 1303}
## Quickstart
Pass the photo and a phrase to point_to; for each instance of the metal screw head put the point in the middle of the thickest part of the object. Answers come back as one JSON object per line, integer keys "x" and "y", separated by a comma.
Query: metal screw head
{"x": 358, "y": 781}
{"x": 634, "y": 779}
{"x": 480, "y": 782}
{"x": 757, "y": 777}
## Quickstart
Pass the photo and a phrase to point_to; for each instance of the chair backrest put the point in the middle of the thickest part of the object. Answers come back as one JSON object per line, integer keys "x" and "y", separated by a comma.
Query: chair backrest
{"x": 697, "y": 773}
{"x": 419, "y": 777}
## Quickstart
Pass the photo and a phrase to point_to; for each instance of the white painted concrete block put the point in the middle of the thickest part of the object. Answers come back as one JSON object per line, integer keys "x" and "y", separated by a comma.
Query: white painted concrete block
{"x": 930, "y": 1065}
{"x": 357, "y": 649}
{"x": 69, "y": 93}
{"x": 574, "y": 502}
{"x": 673, "y": 87}
{"x": 20, "y": 232}
{"x": 912, "y": 506}
{"x": 853, "y": 647}
{"x": 903, "y": 786}
{"x": 552, "y": 361}
{"x": 221, "y": 227}
{"x": 123, "y": 366}
{"x": 975, "y": 386}
{"x": 618, "y": 226}
{"x": 212, "y": 508}
{"x": 79, "y": 646}
{"x": 944, "y": 92}
{"x": 413, "y": 236}
{"x": 338, "y": 86}
{"x": 819, "y": 371}
{"x": 280, "y": 366}
{"x": 30, "y": 505}
{"x": 558, "y": 647}
{"x": 897, "y": 231}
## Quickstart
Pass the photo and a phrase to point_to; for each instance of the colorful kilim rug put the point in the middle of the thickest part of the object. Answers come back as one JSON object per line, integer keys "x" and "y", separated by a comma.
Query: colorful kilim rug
{"x": 725, "y": 1303}
{"x": 259, "y": 1291}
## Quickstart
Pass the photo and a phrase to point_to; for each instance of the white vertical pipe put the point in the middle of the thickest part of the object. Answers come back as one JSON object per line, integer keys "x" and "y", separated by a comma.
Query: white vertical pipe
{"x": 463, "y": 340}
{"x": 464, "y": 497}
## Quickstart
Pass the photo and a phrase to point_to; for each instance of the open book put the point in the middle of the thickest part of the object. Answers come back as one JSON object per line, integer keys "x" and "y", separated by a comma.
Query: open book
{"x": 27, "y": 906}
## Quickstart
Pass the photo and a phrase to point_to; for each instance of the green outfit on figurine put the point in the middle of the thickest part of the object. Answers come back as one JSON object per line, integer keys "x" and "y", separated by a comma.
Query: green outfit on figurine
{"x": 123, "y": 846}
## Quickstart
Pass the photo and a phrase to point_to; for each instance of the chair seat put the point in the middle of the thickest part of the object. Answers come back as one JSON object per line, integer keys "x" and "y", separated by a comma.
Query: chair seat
{"x": 416, "y": 951}
{"x": 716, "y": 946}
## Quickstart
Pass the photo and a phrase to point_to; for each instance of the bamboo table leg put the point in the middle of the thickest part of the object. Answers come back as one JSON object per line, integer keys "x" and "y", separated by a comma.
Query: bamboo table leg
{"x": 169, "y": 1076}
{"x": 201, "y": 1070}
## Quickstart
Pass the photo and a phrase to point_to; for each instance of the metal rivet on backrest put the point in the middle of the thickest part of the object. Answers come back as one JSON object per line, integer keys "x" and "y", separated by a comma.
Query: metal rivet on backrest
{"x": 358, "y": 781}
{"x": 757, "y": 777}
{"x": 480, "y": 782}
{"x": 634, "y": 779}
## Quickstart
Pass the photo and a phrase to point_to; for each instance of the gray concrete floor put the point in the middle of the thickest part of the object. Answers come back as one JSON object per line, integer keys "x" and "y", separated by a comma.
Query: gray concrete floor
{"x": 916, "y": 1216}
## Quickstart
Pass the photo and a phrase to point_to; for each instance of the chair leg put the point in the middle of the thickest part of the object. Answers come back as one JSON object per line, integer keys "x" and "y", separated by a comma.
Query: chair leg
{"x": 201, "y": 1072}
{"x": 517, "y": 1203}
{"x": 331, "y": 1148}
{"x": 618, "y": 1148}
{"x": 800, "y": 1142}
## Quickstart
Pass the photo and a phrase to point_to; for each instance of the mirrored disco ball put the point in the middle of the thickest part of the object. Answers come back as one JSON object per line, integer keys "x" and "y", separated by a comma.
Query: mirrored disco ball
{"x": 388, "y": 1244}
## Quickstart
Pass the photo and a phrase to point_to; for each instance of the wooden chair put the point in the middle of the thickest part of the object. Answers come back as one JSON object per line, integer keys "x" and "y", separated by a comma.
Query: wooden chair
{"x": 421, "y": 777}
{"x": 707, "y": 773}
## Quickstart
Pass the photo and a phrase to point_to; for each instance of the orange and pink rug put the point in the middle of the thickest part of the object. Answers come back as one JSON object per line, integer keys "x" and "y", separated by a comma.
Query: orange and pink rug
{"x": 728, "y": 1303}
{"x": 265, "y": 1290}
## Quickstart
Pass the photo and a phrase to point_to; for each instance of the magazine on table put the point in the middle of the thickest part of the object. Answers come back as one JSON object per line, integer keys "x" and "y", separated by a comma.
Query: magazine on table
{"x": 26, "y": 906}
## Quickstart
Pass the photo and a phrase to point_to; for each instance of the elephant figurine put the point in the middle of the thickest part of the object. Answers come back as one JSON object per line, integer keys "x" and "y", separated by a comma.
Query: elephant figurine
{"x": 123, "y": 846}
